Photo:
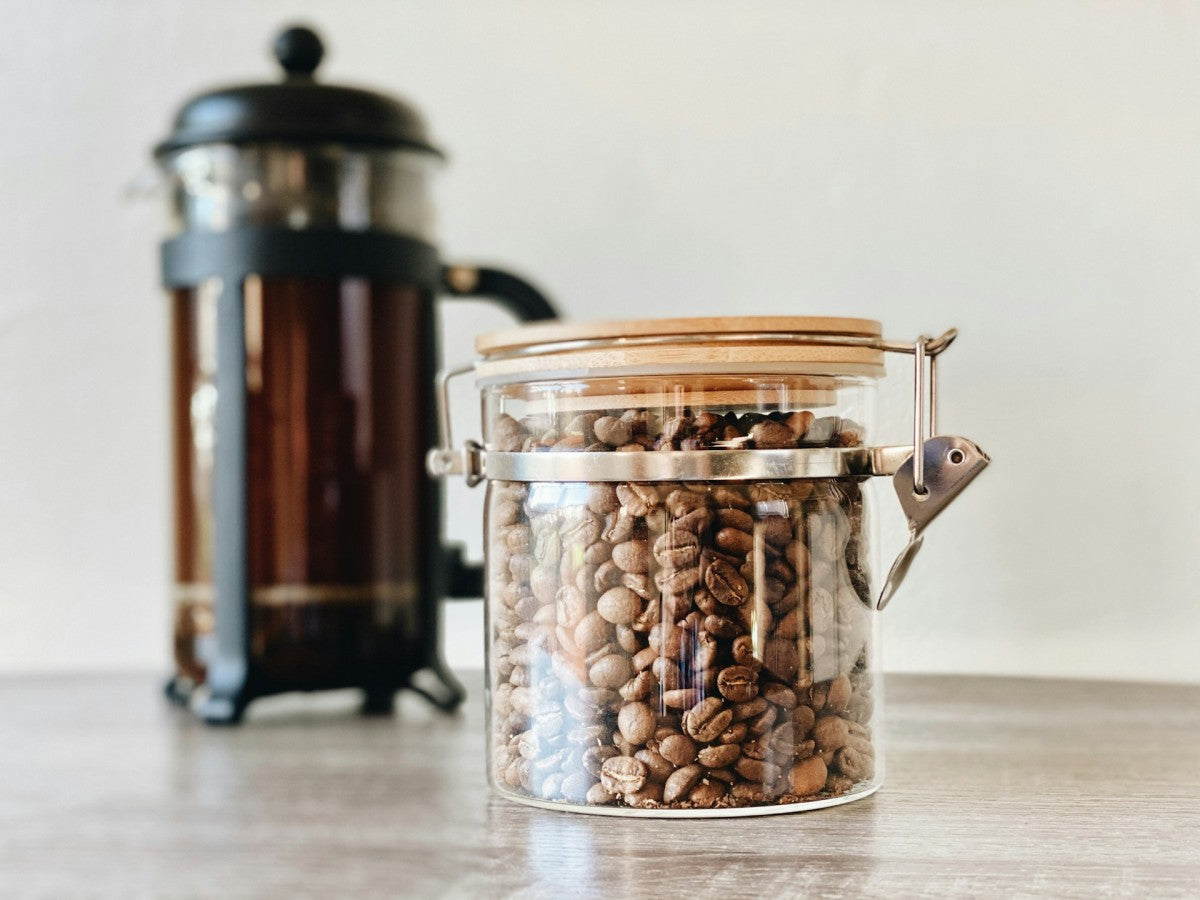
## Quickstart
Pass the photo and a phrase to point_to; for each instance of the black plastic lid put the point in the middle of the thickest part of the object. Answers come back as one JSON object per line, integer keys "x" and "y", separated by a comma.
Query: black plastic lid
{"x": 298, "y": 109}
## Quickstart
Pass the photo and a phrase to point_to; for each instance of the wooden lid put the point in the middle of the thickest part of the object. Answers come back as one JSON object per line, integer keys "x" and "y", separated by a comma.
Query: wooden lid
{"x": 709, "y": 345}
{"x": 557, "y": 332}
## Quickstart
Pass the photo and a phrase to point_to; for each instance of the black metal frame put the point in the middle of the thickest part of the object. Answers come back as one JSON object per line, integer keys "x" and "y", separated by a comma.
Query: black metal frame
{"x": 233, "y": 256}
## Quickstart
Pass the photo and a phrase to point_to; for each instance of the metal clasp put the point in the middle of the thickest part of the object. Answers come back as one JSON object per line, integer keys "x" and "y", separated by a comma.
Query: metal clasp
{"x": 926, "y": 488}
{"x": 444, "y": 459}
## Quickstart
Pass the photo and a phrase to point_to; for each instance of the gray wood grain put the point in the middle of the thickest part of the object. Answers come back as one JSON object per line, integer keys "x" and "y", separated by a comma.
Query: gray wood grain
{"x": 994, "y": 787}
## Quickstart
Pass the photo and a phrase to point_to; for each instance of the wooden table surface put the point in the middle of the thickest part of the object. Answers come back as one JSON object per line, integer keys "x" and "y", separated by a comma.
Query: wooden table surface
{"x": 994, "y": 787}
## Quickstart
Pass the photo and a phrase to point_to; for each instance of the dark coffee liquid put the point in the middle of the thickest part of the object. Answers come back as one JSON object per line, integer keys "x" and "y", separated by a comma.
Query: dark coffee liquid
{"x": 337, "y": 379}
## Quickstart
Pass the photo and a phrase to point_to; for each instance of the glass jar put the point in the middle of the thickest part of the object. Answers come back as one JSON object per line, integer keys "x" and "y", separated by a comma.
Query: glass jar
{"x": 681, "y": 583}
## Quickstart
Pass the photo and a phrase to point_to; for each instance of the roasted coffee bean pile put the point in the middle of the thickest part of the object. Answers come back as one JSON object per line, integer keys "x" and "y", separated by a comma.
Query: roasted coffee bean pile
{"x": 640, "y": 430}
{"x": 678, "y": 645}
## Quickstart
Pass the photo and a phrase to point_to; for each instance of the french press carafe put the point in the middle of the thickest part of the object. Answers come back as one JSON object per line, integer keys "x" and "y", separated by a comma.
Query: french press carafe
{"x": 302, "y": 271}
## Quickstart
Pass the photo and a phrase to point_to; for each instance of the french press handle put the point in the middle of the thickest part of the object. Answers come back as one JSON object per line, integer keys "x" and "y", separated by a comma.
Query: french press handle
{"x": 515, "y": 294}
{"x": 465, "y": 580}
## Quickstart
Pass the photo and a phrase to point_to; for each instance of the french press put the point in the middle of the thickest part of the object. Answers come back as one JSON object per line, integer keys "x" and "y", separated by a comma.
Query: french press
{"x": 302, "y": 270}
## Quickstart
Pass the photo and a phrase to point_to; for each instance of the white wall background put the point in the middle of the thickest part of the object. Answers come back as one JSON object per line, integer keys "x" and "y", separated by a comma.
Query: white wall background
{"x": 1027, "y": 171}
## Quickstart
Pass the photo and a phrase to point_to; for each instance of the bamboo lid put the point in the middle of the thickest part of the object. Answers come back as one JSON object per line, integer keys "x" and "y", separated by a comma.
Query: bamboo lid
{"x": 708, "y": 345}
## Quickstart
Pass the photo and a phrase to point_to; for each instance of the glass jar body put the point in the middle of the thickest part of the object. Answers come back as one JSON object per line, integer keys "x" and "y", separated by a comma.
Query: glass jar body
{"x": 681, "y": 648}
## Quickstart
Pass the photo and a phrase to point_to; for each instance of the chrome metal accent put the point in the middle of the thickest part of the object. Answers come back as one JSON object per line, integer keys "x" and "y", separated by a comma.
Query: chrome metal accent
{"x": 445, "y": 459}
{"x": 467, "y": 461}
{"x": 945, "y": 478}
{"x": 919, "y": 415}
{"x": 953, "y": 463}
{"x": 933, "y": 395}
{"x": 696, "y": 465}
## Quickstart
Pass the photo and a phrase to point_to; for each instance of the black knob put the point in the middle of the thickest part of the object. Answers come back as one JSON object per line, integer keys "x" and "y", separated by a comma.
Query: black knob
{"x": 299, "y": 51}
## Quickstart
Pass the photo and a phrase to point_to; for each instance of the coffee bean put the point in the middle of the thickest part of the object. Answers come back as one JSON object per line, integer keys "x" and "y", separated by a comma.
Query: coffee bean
{"x": 623, "y": 774}
{"x": 679, "y": 749}
{"x": 830, "y": 733}
{"x": 665, "y": 639}
{"x": 594, "y": 757}
{"x": 737, "y": 684}
{"x": 608, "y": 575}
{"x": 636, "y": 722}
{"x": 707, "y": 794}
{"x": 644, "y": 659}
{"x": 643, "y": 586}
{"x": 722, "y": 627}
{"x": 599, "y": 795}
{"x": 707, "y": 719}
{"x": 571, "y": 605}
{"x": 638, "y": 499}
{"x": 505, "y": 512}
{"x": 734, "y": 734}
{"x": 725, "y": 584}
{"x": 719, "y": 756}
{"x": 677, "y": 581}
{"x": 807, "y": 777}
{"x": 507, "y": 434}
{"x": 763, "y": 722}
{"x": 613, "y": 431}
{"x": 602, "y": 498}
{"x": 619, "y": 605}
{"x": 610, "y": 671}
{"x": 657, "y": 768}
{"x": 800, "y": 422}
{"x": 677, "y": 548}
{"x": 780, "y": 695}
{"x": 749, "y": 709}
{"x": 744, "y": 654}
{"x": 704, "y": 657}
{"x": 632, "y": 556}
{"x": 592, "y": 632}
{"x": 649, "y": 797}
{"x": 640, "y": 687}
{"x": 757, "y": 770}
{"x": 732, "y": 540}
{"x": 734, "y": 518}
{"x": 750, "y": 792}
{"x": 695, "y": 522}
{"x": 619, "y": 526}
{"x": 681, "y": 782}
{"x": 598, "y": 697}
{"x": 782, "y": 659}
{"x": 838, "y": 696}
{"x": 627, "y": 639}
{"x": 772, "y": 435}
{"x": 729, "y": 497}
{"x": 856, "y": 760}
{"x": 680, "y": 502}
{"x": 584, "y": 531}
{"x": 726, "y": 776}
{"x": 681, "y": 698}
{"x": 804, "y": 718}
{"x": 543, "y": 582}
